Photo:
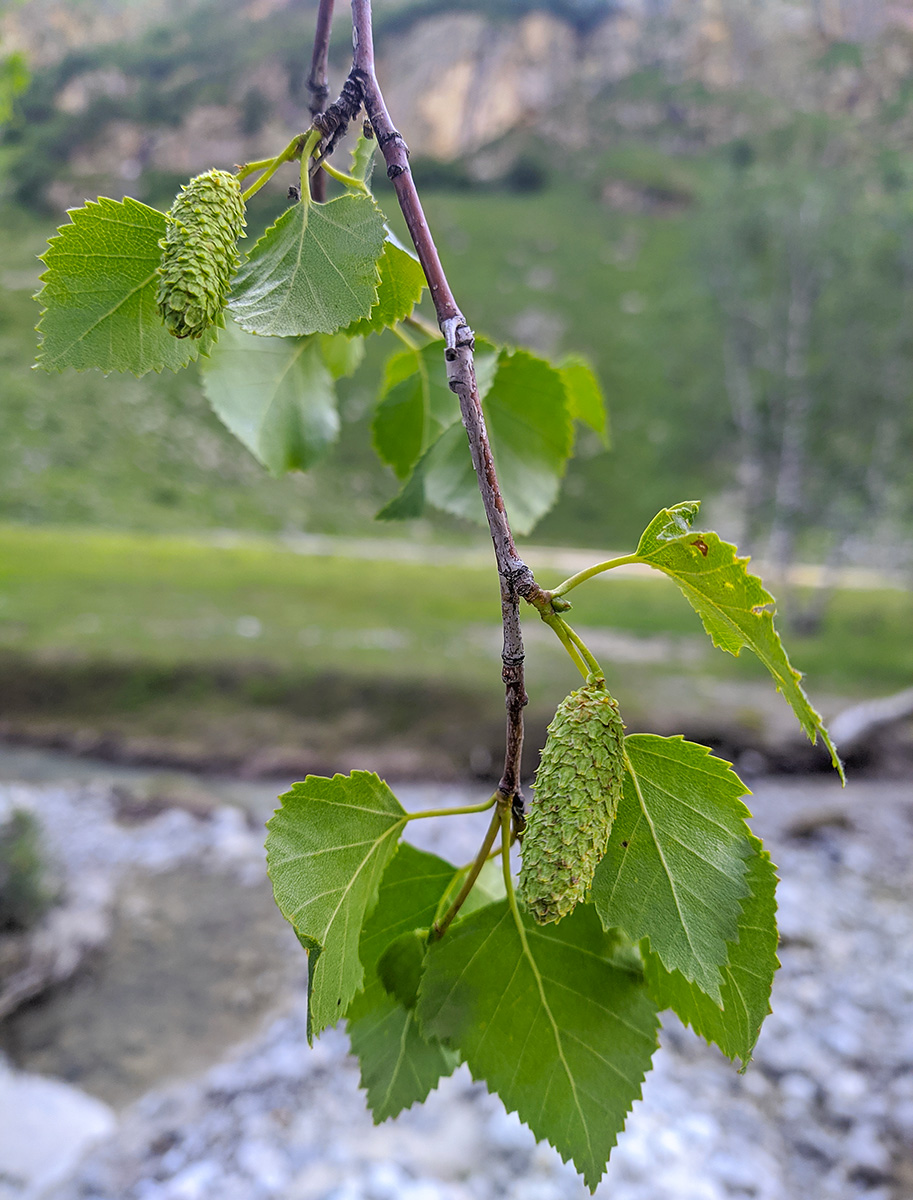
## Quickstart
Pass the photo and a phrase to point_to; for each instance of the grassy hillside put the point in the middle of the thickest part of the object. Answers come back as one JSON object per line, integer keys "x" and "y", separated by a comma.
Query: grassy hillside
{"x": 252, "y": 655}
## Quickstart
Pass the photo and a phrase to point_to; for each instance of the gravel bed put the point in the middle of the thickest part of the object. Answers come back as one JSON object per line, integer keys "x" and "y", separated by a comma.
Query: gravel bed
{"x": 824, "y": 1111}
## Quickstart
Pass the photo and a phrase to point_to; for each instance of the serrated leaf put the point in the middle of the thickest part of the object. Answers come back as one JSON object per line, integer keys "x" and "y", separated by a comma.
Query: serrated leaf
{"x": 313, "y": 271}
{"x": 363, "y": 158}
{"x": 275, "y": 395}
{"x": 561, "y": 1035}
{"x": 326, "y": 851}
{"x": 99, "y": 306}
{"x": 531, "y": 435}
{"x": 734, "y": 606}
{"x": 402, "y": 281}
{"x": 399, "y": 1066}
{"x": 585, "y": 401}
{"x": 342, "y": 355}
{"x": 747, "y": 977}
{"x": 675, "y": 867}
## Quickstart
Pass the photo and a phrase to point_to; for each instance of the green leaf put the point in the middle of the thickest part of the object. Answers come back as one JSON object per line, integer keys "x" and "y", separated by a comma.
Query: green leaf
{"x": 400, "y": 966}
{"x": 409, "y": 502}
{"x": 585, "y": 401}
{"x": 363, "y": 157}
{"x": 399, "y": 1066}
{"x": 733, "y": 605}
{"x": 488, "y": 888}
{"x": 99, "y": 308}
{"x": 326, "y": 851}
{"x": 450, "y": 480}
{"x": 400, "y": 289}
{"x": 415, "y": 406}
{"x": 525, "y": 407}
{"x": 314, "y": 271}
{"x": 561, "y": 1035}
{"x": 275, "y": 395}
{"x": 747, "y": 977}
{"x": 674, "y": 871}
{"x": 342, "y": 354}
{"x": 400, "y": 421}
{"x": 531, "y": 435}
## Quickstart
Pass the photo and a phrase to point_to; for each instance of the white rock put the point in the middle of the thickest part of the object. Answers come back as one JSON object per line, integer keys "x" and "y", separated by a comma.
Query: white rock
{"x": 864, "y": 1147}
{"x": 798, "y": 1087}
{"x": 194, "y": 1182}
{"x": 46, "y": 1127}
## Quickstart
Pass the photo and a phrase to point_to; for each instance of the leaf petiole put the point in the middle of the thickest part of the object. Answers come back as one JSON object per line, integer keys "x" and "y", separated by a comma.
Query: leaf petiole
{"x": 250, "y": 168}
{"x": 424, "y": 327}
{"x": 300, "y": 146}
{"x": 562, "y": 629}
{"x": 349, "y": 181}
{"x": 582, "y": 576}
{"x": 439, "y": 928}
{"x": 585, "y": 653}
{"x": 508, "y": 879}
{"x": 452, "y": 812}
{"x": 493, "y": 854}
{"x": 403, "y": 336}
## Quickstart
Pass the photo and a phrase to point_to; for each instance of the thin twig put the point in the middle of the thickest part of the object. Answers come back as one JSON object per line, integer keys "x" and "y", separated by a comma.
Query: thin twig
{"x": 517, "y": 579}
{"x": 439, "y": 928}
{"x": 318, "y": 83}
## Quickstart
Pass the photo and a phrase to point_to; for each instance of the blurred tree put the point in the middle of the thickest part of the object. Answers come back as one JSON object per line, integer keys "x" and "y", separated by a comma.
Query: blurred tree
{"x": 812, "y": 275}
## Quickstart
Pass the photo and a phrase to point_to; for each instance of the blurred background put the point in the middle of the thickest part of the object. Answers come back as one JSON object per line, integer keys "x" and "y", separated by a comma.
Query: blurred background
{"x": 713, "y": 201}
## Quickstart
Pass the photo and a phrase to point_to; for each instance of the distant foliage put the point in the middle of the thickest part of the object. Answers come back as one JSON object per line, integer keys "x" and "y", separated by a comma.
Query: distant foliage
{"x": 812, "y": 274}
{"x": 24, "y": 895}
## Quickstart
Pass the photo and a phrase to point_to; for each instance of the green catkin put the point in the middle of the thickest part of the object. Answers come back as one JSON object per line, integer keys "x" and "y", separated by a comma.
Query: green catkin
{"x": 200, "y": 253}
{"x": 578, "y": 786}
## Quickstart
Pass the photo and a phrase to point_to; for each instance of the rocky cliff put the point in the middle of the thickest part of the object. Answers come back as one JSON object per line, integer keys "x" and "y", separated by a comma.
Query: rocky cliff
{"x": 461, "y": 80}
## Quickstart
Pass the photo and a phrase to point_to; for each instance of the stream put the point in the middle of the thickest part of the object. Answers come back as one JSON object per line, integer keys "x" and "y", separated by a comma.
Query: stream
{"x": 184, "y": 1036}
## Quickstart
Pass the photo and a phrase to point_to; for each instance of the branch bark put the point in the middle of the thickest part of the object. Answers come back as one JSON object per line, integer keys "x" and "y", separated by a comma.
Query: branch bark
{"x": 517, "y": 581}
{"x": 318, "y": 83}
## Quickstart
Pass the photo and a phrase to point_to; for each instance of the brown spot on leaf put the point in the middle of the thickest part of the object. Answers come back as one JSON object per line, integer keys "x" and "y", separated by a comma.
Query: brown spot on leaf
{"x": 701, "y": 545}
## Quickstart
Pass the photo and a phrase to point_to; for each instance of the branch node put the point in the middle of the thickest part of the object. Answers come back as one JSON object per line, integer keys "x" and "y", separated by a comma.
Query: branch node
{"x": 394, "y": 169}
{"x": 333, "y": 123}
{"x": 320, "y": 93}
{"x": 457, "y": 336}
{"x": 393, "y": 135}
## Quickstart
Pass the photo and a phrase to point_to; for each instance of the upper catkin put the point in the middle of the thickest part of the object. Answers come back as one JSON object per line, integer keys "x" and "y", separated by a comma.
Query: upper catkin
{"x": 578, "y": 787}
{"x": 200, "y": 253}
